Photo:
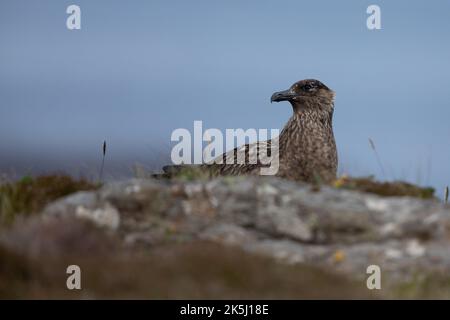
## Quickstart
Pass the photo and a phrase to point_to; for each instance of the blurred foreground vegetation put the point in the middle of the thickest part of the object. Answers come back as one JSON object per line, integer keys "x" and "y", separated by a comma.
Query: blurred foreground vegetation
{"x": 30, "y": 194}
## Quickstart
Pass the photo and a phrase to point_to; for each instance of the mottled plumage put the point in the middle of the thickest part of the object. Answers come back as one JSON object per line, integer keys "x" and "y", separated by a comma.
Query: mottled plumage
{"x": 307, "y": 149}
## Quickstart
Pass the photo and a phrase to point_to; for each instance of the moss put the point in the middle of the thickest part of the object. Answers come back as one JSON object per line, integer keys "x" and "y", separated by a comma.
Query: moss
{"x": 191, "y": 173}
{"x": 386, "y": 189}
{"x": 31, "y": 194}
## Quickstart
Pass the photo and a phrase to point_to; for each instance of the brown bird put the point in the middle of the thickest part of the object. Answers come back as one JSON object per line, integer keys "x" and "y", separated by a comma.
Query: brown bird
{"x": 306, "y": 146}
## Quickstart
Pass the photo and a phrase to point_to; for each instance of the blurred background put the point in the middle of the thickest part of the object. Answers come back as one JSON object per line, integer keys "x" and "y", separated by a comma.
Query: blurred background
{"x": 138, "y": 70}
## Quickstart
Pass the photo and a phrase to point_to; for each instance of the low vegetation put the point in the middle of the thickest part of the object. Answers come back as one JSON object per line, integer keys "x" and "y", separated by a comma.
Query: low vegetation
{"x": 386, "y": 189}
{"x": 30, "y": 194}
{"x": 176, "y": 271}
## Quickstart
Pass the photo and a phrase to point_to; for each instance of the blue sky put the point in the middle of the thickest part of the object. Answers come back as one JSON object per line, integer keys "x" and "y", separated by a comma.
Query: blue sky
{"x": 137, "y": 70}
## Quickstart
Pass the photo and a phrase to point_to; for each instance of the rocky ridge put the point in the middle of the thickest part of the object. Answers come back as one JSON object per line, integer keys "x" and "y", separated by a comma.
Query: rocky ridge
{"x": 339, "y": 230}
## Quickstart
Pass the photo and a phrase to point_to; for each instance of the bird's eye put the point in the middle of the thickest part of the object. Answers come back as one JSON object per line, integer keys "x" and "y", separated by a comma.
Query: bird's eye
{"x": 307, "y": 87}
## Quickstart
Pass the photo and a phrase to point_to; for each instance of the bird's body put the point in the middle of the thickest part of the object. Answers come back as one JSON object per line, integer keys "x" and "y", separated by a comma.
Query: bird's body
{"x": 306, "y": 146}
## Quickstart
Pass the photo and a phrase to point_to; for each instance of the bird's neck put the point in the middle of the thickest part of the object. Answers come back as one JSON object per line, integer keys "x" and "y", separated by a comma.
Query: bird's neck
{"x": 307, "y": 142}
{"x": 306, "y": 124}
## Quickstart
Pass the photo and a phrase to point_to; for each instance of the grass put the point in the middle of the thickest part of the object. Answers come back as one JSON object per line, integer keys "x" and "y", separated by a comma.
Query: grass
{"x": 30, "y": 194}
{"x": 364, "y": 184}
{"x": 34, "y": 259}
{"x": 100, "y": 178}
{"x": 446, "y": 195}
{"x": 386, "y": 189}
{"x": 423, "y": 286}
{"x": 197, "y": 270}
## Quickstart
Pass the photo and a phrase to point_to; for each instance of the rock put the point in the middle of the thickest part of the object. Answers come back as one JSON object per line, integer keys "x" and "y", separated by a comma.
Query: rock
{"x": 341, "y": 230}
{"x": 106, "y": 216}
{"x": 86, "y": 205}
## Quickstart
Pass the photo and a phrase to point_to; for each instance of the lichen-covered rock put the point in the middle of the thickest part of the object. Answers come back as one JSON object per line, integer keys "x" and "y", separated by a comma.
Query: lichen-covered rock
{"x": 333, "y": 228}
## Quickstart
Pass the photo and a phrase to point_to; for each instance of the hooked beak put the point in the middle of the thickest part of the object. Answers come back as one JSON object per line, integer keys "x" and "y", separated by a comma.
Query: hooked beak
{"x": 285, "y": 95}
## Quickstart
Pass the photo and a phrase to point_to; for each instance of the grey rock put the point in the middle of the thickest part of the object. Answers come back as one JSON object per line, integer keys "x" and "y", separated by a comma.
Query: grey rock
{"x": 342, "y": 230}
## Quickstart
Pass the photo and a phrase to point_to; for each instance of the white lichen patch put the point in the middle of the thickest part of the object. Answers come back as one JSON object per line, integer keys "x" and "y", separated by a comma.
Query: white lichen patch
{"x": 415, "y": 249}
{"x": 106, "y": 216}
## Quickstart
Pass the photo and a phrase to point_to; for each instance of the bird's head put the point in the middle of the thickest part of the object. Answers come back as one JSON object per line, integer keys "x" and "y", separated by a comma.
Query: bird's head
{"x": 306, "y": 94}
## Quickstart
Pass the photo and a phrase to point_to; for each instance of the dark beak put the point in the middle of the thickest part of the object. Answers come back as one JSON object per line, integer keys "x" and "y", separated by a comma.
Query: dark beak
{"x": 285, "y": 95}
